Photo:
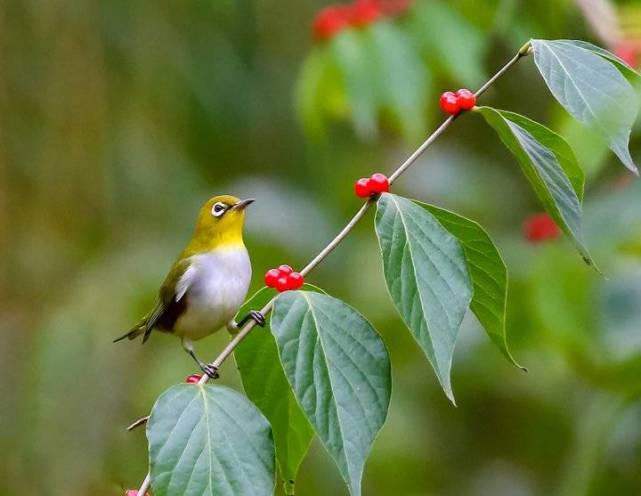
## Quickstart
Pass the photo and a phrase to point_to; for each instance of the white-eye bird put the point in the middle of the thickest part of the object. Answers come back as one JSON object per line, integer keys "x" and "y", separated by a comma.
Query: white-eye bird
{"x": 207, "y": 283}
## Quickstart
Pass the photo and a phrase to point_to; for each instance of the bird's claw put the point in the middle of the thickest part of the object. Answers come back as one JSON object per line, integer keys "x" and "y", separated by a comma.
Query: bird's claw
{"x": 210, "y": 370}
{"x": 254, "y": 315}
{"x": 258, "y": 317}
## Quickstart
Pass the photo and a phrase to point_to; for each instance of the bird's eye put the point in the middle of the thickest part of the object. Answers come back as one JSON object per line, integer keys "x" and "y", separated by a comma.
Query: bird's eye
{"x": 218, "y": 209}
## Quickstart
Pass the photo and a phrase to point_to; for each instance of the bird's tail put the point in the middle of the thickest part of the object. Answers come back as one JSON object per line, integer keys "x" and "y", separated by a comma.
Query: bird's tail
{"x": 132, "y": 334}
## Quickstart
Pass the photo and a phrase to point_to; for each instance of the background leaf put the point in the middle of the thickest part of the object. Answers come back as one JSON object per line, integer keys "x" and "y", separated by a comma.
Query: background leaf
{"x": 488, "y": 273}
{"x": 402, "y": 80}
{"x": 592, "y": 90}
{"x": 427, "y": 277}
{"x": 266, "y": 386}
{"x": 450, "y": 41}
{"x": 544, "y": 158}
{"x": 357, "y": 66}
{"x": 209, "y": 440}
{"x": 316, "y": 79}
{"x": 339, "y": 369}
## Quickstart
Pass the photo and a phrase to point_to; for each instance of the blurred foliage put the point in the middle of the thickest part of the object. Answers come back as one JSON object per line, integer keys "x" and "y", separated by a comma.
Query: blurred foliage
{"x": 118, "y": 118}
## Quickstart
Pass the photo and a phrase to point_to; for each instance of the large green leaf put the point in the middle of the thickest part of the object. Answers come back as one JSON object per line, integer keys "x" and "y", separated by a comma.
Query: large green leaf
{"x": 266, "y": 386}
{"x": 621, "y": 64}
{"x": 488, "y": 273}
{"x": 209, "y": 440}
{"x": 591, "y": 89}
{"x": 549, "y": 164}
{"x": 339, "y": 370}
{"x": 427, "y": 277}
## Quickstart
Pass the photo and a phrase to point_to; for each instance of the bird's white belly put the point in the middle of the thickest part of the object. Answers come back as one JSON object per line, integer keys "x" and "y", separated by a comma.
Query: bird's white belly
{"x": 217, "y": 283}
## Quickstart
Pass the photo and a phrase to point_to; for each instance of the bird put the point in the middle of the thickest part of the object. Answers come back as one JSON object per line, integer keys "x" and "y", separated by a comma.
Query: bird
{"x": 207, "y": 283}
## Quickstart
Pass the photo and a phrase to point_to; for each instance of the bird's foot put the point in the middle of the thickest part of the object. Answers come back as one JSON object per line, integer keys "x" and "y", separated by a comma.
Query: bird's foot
{"x": 254, "y": 315}
{"x": 258, "y": 317}
{"x": 210, "y": 370}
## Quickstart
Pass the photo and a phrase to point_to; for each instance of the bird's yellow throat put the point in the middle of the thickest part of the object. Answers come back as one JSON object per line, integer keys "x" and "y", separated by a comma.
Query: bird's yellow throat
{"x": 214, "y": 233}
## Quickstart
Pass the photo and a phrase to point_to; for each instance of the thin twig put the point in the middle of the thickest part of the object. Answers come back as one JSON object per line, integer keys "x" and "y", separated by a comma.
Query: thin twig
{"x": 524, "y": 50}
{"x": 228, "y": 350}
{"x": 144, "y": 486}
{"x": 138, "y": 423}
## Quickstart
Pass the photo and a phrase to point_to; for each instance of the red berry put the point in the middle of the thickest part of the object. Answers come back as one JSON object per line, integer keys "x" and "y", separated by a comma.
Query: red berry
{"x": 282, "y": 284}
{"x": 628, "y": 52}
{"x": 540, "y": 227}
{"x": 330, "y": 21}
{"x": 362, "y": 187}
{"x": 193, "y": 379}
{"x": 285, "y": 269}
{"x": 271, "y": 276}
{"x": 133, "y": 492}
{"x": 466, "y": 99}
{"x": 364, "y": 12}
{"x": 449, "y": 103}
{"x": 379, "y": 183}
{"x": 295, "y": 280}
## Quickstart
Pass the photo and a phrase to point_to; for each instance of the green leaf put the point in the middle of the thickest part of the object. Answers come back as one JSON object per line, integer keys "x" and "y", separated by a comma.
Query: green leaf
{"x": 339, "y": 370}
{"x": 401, "y": 78}
{"x": 357, "y": 68}
{"x": 307, "y": 94}
{"x": 266, "y": 386}
{"x": 319, "y": 93}
{"x": 592, "y": 90}
{"x": 620, "y": 64}
{"x": 209, "y": 440}
{"x": 488, "y": 273}
{"x": 449, "y": 40}
{"x": 427, "y": 277}
{"x": 549, "y": 164}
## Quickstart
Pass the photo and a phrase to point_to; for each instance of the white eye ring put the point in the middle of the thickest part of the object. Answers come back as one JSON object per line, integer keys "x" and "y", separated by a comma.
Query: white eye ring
{"x": 218, "y": 209}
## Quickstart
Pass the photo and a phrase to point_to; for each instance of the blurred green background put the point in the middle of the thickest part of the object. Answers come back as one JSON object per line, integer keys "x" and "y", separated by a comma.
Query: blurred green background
{"x": 119, "y": 118}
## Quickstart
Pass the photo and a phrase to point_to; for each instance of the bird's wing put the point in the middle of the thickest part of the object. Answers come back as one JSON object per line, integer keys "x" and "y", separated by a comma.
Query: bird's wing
{"x": 171, "y": 301}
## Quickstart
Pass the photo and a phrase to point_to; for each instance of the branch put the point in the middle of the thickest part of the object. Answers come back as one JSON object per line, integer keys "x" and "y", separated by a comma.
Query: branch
{"x": 525, "y": 50}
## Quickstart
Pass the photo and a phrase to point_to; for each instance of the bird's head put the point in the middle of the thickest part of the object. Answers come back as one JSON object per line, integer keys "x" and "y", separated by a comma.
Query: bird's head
{"x": 220, "y": 223}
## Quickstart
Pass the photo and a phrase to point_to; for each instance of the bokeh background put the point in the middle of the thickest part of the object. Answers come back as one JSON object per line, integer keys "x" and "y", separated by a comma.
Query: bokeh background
{"x": 118, "y": 118}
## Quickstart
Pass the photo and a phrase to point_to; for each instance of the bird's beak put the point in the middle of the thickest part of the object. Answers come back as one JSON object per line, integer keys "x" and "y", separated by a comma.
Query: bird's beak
{"x": 243, "y": 204}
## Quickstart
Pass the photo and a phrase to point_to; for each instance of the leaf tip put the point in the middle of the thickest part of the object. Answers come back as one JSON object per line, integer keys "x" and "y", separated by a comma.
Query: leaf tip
{"x": 508, "y": 355}
{"x": 518, "y": 365}
{"x": 450, "y": 395}
{"x": 628, "y": 162}
{"x": 590, "y": 263}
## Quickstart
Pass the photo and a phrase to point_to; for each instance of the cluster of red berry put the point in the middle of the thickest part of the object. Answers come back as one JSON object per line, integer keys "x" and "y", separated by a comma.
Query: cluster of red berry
{"x": 452, "y": 103}
{"x": 334, "y": 18}
{"x": 283, "y": 279}
{"x": 540, "y": 227}
{"x": 373, "y": 185}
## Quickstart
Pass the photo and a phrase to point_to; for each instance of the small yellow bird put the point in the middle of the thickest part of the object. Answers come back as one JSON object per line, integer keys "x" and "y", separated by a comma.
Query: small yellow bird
{"x": 207, "y": 283}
